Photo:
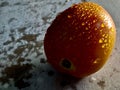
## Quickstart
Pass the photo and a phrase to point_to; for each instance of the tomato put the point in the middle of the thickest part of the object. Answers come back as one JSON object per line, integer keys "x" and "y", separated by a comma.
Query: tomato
{"x": 80, "y": 39}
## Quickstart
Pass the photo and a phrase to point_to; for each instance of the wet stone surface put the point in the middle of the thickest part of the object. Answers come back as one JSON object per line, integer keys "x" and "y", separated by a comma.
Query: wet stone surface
{"x": 23, "y": 64}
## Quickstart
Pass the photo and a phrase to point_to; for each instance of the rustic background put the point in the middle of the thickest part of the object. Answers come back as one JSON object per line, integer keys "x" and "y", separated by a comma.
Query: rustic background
{"x": 23, "y": 65}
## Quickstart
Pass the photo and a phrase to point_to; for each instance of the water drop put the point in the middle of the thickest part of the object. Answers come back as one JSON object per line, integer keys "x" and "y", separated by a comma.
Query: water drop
{"x": 82, "y": 15}
{"x": 95, "y": 28}
{"x": 103, "y": 46}
{"x": 96, "y": 60}
{"x": 105, "y": 40}
{"x": 94, "y": 21}
{"x": 103, "y": 35}
{"x": 89, "y": 37}
{"x": 106, "y": 36}
{"x": 83, "y": 23}
{"x": 106, "y": 44}
{"x": 102, "y": 25}
{"x": 100, "y": 41}
{"x": 112, "y": 29}
{"x": 70, "y": 38}
{"x": 69, "y": 16}
{"x": 86, "y": 28}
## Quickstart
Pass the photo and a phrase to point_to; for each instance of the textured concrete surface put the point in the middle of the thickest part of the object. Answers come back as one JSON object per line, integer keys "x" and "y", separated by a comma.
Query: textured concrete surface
{"x": 23, "y": 65}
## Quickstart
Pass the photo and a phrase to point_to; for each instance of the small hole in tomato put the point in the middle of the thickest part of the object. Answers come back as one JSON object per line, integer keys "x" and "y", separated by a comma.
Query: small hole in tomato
{"x": 66, "y": 63}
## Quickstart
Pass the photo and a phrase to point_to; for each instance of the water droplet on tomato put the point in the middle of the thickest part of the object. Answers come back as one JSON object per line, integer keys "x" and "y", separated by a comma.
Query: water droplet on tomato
{"x": 101, "y": 41}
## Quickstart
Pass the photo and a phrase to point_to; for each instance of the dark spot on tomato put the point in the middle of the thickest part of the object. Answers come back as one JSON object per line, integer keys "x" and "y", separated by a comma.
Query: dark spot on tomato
{"x": 66, "y": 63}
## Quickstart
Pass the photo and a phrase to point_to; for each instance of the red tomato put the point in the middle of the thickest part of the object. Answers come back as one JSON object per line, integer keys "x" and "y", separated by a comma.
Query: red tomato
{"x": 80, "y": 39}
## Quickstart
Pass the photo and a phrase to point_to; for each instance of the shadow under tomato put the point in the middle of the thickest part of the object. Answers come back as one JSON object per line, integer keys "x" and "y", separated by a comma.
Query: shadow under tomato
{"x": 65, "y": 81}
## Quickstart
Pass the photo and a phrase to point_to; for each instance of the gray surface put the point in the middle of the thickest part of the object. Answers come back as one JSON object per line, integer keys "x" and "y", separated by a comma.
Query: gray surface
{"x": 23, "y": 24}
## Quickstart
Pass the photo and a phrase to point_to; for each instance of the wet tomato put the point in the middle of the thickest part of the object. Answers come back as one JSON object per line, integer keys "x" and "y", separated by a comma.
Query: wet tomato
{"x": 80, "y": 39}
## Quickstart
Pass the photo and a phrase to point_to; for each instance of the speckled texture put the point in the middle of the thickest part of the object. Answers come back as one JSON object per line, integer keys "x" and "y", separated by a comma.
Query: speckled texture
{"x": 23, "y": 65}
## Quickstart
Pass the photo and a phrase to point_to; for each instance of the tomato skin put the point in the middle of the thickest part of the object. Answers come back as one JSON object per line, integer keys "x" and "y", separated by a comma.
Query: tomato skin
{"x": 80, "y": 39}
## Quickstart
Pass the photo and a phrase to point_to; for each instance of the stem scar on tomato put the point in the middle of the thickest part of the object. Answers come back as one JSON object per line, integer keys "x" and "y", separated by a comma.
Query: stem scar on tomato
{"x": 67, "y": 64}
